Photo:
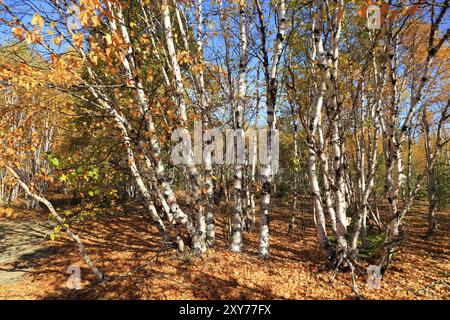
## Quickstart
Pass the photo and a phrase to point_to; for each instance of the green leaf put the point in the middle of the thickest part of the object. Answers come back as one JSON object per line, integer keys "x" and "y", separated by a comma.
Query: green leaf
{"x": 54, "y": 162}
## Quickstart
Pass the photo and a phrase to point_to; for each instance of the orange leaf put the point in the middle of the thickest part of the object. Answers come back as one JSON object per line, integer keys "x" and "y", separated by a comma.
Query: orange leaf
{"x": 78, "y": 40}
{"x": 362, "y": 12}
{"x": 413, "y": 9}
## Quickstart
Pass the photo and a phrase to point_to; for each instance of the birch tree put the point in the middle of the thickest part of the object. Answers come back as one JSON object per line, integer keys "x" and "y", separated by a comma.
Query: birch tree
{"x": 271, "y": 74}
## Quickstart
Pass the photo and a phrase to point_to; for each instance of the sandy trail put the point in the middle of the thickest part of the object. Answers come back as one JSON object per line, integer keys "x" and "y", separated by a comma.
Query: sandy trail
{"x": 20, "y": 242}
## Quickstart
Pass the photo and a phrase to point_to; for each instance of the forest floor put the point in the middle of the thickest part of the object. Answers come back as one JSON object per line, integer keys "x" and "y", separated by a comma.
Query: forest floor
{"x": 127, "y": 248}
{"x": 20, "y": 241}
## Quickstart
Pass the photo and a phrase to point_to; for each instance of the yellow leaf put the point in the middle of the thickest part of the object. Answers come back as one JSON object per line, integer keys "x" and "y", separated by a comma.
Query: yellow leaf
{"x": 37, "y": 20}
{"x": 58, "y": 41}
{"x": 108, "y": 39}
{"x": 95, "y": 21}
{"x": 93, "y": 57}
{"x": 84, "y": 17}
{"x": 8, "y": 212}
{"x": 78, "y": 40}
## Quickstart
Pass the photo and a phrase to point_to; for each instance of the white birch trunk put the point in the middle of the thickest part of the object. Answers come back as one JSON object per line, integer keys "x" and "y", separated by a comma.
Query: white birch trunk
{"x": 199, "y": 241}
{"x": 272, "y": 90}
{"x": 237, "y": 241}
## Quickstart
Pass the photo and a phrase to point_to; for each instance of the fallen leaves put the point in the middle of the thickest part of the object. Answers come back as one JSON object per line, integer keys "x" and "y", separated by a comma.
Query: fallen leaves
{"x": 295, "y": 270}
{"x": 7, "y": 212}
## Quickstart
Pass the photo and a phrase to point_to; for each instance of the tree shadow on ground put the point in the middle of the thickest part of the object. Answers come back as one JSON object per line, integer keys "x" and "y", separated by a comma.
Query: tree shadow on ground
{"x": 128, "y": 249}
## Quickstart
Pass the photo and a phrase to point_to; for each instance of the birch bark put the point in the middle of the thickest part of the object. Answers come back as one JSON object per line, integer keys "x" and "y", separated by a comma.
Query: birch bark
{"x": 272, "y": 91}
{"x": 237, "y": 241}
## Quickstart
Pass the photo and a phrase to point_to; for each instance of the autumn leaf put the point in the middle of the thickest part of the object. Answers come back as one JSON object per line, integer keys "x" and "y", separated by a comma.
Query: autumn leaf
{"x": 58, "y": 41}
{"x": 384, "y": 9}
{"x": 108, "y": 39}
{"x": 17, "y": 32}
{"x": 78, "y": 40}
{"x": 392, "y": 15}
{"x": 93, "y": 57}
{"x": 413, "y": 9}
{"x": 95, "y": 21}
{"x": 6, "y": 211}
{"x": 170, "y": 113}
{"x": 84, "y": 17}
{"x": 37, "y": 21}
{"x": 362, "y": 12}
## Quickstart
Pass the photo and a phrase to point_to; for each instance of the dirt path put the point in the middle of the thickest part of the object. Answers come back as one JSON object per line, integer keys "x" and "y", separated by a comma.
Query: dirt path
{"x": 20, "y": 242}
